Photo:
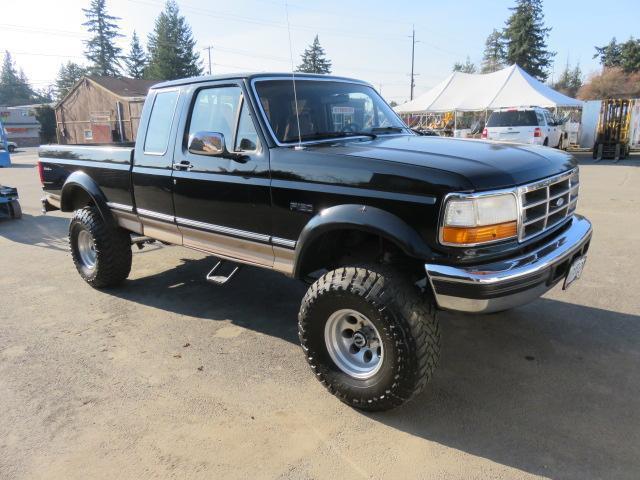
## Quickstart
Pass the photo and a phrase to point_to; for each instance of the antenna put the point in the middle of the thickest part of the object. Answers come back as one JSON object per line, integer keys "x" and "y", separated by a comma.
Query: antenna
{"x": 293, "y": 78}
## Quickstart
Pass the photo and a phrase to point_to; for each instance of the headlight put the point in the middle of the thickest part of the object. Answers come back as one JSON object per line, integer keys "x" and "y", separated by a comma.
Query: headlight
{"x": 473, "y": 220}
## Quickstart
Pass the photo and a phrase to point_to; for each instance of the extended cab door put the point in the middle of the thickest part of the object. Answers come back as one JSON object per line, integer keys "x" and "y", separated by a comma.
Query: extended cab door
{"x": 152, "y": 169}
{"x": 223, "y": 203}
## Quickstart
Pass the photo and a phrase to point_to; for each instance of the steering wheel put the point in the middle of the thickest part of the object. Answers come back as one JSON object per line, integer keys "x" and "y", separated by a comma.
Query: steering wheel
{"x": 351, "y": 127}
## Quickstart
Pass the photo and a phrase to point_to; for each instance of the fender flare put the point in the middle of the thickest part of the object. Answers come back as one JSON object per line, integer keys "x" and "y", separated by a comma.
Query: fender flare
{"x": 363, "y": 218}
{"x": 79, "y": 180}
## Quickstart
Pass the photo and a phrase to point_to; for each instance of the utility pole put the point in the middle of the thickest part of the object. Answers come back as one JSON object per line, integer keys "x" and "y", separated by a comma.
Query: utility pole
{"x": 208, "y": 49}
{"x": 413, "y": 52}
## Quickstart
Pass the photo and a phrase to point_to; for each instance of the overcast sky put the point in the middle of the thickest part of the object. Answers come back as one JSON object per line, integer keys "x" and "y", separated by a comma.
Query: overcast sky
{"x": 364, "y": 39}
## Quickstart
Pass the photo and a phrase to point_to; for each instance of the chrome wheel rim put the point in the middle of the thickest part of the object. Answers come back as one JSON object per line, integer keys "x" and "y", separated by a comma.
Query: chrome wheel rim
{"x": 87, "y": 249}
{"x": 353, "y": 343}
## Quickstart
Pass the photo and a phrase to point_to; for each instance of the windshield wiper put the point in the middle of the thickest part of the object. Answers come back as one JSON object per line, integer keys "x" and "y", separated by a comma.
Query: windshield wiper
{"x": 323, "y": 135}
{"x": 388, "y": 129}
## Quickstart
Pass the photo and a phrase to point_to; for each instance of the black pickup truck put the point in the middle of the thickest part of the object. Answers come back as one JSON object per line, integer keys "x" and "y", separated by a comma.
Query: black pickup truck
{"x": 324, "y": 183}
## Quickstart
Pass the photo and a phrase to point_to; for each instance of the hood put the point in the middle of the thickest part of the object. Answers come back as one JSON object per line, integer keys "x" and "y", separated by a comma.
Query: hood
{"x": 486, "y": 165}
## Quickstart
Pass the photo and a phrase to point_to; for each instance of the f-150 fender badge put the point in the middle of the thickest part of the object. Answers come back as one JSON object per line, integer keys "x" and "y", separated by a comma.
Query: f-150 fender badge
{"x": 301, "y": 207}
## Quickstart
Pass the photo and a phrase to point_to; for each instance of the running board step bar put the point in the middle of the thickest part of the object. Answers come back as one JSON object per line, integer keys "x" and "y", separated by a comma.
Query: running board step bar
{"x": 222, "y": 272}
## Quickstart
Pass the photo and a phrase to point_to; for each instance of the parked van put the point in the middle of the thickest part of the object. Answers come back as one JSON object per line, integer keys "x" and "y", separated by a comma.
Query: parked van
{"x": 531, "y": 125}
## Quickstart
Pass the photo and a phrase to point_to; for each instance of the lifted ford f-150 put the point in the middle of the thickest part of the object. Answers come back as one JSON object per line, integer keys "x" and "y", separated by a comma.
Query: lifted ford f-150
{"x": 325, "y": 184}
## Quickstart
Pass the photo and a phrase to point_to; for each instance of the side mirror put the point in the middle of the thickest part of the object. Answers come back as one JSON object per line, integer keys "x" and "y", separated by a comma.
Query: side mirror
{"x": 207, "y": 143}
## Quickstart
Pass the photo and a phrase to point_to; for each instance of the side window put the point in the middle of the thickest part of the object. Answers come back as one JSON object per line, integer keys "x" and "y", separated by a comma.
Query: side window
{"x": 247, "y": 138}
{"x": 164, "y": 107}
{"x": 540, "y": 119}
{"x": 215, "y": 110}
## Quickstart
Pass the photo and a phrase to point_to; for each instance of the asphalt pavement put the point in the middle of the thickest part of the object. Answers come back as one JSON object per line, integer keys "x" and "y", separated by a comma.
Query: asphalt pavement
{"x": 169, "y": 376}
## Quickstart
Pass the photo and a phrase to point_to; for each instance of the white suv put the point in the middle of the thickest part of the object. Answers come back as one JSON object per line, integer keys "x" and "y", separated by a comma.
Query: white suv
{"x": 532, "y": 125}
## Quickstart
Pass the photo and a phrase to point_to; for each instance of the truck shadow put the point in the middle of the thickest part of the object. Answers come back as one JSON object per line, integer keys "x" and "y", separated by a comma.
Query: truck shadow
{"x": 551, "y": 388}
{"x": 256, "y": 299}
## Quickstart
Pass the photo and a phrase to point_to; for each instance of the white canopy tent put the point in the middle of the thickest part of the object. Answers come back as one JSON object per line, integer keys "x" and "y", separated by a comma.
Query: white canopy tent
{"x": 468, "y": 92}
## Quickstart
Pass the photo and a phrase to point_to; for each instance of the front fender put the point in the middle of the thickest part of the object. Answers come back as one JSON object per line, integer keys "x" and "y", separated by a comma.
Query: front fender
{"x": 364, "y": 218}
{"x": 79, "y": 190}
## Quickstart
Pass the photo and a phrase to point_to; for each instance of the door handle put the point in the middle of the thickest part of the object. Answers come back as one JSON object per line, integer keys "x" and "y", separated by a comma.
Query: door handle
{"x": 184, "y": 165}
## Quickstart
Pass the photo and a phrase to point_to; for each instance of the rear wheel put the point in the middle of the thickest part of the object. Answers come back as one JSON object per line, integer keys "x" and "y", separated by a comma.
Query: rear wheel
{"x": 369, "y": 336}
{"x": 546, "y": 142}
{"x": 101, "y": 253}
{"x": 15, "y": 209}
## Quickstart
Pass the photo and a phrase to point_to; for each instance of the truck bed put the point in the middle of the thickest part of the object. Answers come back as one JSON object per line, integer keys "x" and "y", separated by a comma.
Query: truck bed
{"x": 108, "y": 165}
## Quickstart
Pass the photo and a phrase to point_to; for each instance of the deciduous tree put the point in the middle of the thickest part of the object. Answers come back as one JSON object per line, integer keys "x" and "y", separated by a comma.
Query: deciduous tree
{"x": 611, "y": 82}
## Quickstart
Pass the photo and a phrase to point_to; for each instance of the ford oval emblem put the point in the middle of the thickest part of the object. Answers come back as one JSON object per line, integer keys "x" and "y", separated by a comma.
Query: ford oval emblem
{"x": 560, "y": 202}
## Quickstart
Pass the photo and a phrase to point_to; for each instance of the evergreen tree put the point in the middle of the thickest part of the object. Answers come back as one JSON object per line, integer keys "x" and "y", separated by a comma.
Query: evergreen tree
{"x": 466, "y": 67}
{"x": 136, "y": 60}
{"x": 610, "y": 55}
{"x": 313, "y": 59}
{"x": 494, "y": 54}
{"x": 101, "y": 51}
{"x": 630, "y": 53}
{"x": 171, "y": 47}
{"x": 46, "y": 117}
{"x": 68, "y": 75}
{"x": 526, "y": 39}
{"x": 14, "y": 85}
{"x": 570, "y": 81}
{"x": 624, "y": 55}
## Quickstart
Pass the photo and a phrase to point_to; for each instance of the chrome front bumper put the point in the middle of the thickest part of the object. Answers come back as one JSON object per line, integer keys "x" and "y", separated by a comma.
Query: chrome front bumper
{"x": 512, "y": 282}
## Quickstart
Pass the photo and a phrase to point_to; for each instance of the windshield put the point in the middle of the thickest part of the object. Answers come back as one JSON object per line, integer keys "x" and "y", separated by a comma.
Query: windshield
{"x": 517, "y": 118}
{"x": 327, "y": 109}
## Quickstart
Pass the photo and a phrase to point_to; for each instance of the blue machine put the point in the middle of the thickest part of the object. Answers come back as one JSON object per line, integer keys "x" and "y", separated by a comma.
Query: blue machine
{"x": 9, "y": 205}
{"x": 5, "y": 158}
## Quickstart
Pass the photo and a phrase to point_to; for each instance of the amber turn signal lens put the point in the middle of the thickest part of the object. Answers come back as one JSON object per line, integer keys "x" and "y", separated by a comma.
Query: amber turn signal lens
{"x": 470, "y": 235}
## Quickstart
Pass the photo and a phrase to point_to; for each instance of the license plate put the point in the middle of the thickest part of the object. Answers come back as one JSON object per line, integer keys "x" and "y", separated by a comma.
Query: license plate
{"x": 575, "y": 270}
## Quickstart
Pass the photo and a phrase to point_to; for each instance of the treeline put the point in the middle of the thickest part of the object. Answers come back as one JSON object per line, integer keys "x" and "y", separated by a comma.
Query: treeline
{"x": 523, "y": 40}
{"x": 170, "y": 51}
{"x": 170, "y": 54}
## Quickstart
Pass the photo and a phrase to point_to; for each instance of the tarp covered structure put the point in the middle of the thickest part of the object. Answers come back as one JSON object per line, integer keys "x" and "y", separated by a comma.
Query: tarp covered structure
{"x": 468, "y": 92}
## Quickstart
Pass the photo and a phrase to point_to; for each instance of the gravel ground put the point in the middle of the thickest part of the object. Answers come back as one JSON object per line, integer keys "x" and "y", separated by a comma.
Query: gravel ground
{"x": 171, "y": 377}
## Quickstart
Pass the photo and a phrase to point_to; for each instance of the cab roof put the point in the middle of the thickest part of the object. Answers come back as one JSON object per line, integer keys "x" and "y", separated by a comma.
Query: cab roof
{"x": 253, "y": 76}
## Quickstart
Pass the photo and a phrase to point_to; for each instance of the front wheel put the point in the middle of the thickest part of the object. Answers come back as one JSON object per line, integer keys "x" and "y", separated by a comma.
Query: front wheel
{"x": 101, "y": 253}
{"x": 369, "y": 336}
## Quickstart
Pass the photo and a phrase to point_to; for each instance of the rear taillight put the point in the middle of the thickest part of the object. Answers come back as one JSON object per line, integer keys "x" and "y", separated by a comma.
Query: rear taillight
{"x": 485, "y": 132}
{"x": 41, "y": 172}
{"x": 537, "y": 133}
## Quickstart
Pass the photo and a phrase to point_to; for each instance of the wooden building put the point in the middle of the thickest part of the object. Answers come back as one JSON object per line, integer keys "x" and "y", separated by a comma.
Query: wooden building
{"x": 101, "y": 110}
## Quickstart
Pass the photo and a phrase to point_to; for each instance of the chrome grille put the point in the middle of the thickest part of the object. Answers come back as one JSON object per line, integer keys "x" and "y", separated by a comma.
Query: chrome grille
{"x": 547, "y": 203}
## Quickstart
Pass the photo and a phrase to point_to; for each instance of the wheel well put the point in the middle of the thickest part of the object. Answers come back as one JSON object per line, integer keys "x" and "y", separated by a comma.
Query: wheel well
{"x": 343, "y": 247}
{"x": 74, "y": 198}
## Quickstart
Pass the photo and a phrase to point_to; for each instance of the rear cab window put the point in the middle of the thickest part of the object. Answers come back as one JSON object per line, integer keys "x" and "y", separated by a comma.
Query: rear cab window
{"x": 513, "y": 118}
{"x": 160, "y": 122}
